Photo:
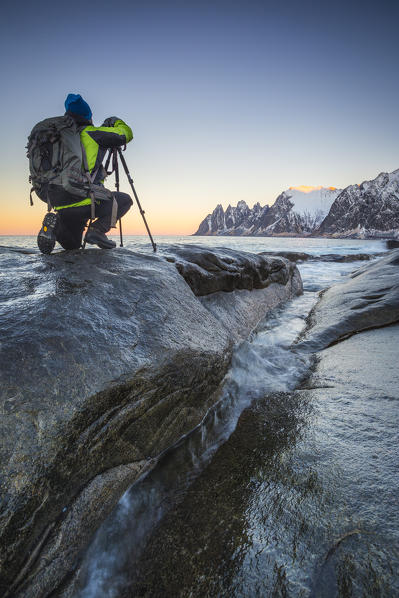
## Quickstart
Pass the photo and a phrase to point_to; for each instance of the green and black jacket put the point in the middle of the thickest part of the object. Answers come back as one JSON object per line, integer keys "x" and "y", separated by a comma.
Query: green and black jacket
{"x": 96, "y": 141}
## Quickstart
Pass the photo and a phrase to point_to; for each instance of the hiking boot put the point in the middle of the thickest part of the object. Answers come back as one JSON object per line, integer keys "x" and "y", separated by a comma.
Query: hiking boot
{"x": 96, "y": 237}
{"x": 46, "y": 238}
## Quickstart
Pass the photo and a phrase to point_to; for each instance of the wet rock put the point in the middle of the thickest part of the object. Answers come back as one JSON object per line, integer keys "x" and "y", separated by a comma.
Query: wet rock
{"x": 107, "y": 359}
{"x": 368, "y": 299}
{"x": 350, "y": 257}
{"x": 356, "y": 385}
{"x": 197, "y": 549}
{"x": 22, "y": 250}
{"x": 297, "y": 256}
{"x": 392, "y": 243}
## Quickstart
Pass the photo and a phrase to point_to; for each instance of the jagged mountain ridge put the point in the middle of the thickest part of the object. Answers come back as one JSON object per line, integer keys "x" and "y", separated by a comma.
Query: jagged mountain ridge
{"x": 370, "y": 209}
{"x": 288, "y": 214}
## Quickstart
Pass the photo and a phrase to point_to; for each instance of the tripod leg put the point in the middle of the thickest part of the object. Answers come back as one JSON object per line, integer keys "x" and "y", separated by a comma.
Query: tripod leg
{"x": 120, "y": 232}
{"x": 84, "y": 238}
{"x": 129, "y": 178}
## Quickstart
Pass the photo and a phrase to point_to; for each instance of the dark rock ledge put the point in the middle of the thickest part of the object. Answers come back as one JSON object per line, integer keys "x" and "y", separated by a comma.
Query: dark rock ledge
{"x": 299, "y": 256}
{"x": 107, "y": 359}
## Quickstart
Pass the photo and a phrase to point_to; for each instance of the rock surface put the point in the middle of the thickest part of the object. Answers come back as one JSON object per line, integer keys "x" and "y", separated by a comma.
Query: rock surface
{"x": 107, "y": 359}
{"x": 368, "y": 299}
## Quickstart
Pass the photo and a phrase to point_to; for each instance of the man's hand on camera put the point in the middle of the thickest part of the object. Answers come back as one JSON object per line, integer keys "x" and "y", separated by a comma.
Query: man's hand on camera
{"x": 110, "y": 121}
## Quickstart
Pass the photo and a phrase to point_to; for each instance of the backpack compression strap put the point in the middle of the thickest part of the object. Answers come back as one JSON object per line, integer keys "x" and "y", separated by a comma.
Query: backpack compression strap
{"x": 90, "y": 180}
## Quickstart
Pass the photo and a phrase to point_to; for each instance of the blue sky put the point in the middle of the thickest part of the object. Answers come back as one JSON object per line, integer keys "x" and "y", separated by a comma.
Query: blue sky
{"x": 227, "y": 100}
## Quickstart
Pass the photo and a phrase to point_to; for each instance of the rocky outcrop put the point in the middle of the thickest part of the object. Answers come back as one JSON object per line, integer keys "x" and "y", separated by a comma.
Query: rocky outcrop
{"x": 237, "y": 220}
{"x": 368, "y": 299}
{"x": 226, "y": 269}
{"x": 107, "y": 359}
{"x": 367, "y": 210}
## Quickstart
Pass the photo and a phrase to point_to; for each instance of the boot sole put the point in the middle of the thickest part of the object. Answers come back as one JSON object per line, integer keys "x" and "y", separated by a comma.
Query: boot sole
{"x": 46, "y": 238}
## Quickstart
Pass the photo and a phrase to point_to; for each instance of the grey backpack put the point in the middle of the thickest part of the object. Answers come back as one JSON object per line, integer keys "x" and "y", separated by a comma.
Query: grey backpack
{"x": 55, "y": 158}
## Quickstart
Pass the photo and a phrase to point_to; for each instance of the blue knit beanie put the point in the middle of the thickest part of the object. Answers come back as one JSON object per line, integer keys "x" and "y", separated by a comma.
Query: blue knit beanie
{"x": 76, "y": 104}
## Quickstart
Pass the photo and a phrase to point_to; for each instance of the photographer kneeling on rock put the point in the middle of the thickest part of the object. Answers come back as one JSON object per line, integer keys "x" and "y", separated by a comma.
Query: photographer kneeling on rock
{"x": 65, "y": 160}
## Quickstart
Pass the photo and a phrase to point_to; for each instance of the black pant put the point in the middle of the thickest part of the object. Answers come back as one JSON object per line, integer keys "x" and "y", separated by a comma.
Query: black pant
{"x": 72, "y": 221}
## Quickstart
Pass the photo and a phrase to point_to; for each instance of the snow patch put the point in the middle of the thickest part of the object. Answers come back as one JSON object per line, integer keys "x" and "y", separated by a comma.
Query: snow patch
{"x": 318, "y": 201}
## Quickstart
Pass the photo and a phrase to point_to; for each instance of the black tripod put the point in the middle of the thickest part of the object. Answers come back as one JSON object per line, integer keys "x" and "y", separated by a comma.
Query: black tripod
{"x": 113, "y": 153}
{"x": 115, "y": 168}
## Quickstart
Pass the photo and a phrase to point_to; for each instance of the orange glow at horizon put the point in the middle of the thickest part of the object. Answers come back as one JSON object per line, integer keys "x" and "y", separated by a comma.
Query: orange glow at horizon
{"x": 29, "y": 226}
{"x": 21, "y": 219}
{"x": 17, "y": 217}
{"x": 309, "y": 188}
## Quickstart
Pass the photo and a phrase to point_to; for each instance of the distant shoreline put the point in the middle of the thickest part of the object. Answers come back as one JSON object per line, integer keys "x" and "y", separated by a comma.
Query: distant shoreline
{"x": 294, "y": 236}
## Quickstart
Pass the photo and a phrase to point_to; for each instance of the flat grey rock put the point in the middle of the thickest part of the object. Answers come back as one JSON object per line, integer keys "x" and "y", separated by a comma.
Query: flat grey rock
{"x": 369, "y": 298}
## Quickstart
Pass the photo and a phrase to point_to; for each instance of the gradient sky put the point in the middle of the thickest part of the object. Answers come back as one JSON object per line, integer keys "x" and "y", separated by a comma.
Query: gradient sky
{"x": 227, "y": 100}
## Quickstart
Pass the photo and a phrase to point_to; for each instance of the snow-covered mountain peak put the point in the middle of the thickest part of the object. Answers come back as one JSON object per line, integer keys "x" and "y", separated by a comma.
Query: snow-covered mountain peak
{"x": 312, "y": 200}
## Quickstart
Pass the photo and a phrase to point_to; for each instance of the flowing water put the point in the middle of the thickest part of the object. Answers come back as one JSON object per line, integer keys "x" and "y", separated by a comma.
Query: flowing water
{"x": 260, "y": 499}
